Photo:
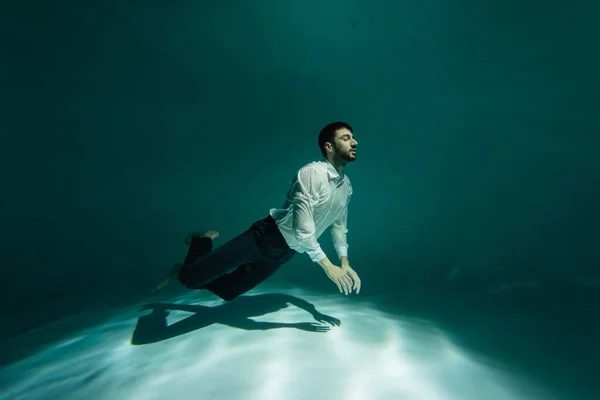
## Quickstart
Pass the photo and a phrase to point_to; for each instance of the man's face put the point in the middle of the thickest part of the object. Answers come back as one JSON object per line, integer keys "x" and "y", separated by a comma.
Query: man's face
{"x": 344, "y": 145}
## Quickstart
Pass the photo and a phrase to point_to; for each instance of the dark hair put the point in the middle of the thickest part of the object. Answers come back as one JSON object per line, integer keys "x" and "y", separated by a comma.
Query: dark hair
{"x": 328, "y": 133}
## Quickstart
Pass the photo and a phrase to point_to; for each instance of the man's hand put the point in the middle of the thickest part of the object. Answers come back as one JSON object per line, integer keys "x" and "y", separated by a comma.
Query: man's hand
{"x": 343, "y": 276}
{"x": 348, "y": 270}
{"x": 340, "y": 278}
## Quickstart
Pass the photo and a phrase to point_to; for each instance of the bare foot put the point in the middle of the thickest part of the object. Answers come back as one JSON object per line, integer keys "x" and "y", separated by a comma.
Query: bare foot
{"x": 211, "y": 234}
{"x": 170, "y": 278}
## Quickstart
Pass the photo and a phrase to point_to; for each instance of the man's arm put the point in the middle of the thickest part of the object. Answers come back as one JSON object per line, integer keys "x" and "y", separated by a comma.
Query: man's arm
{"x": 306, "y": 195}
{"x": 339, "y": 230}
{"x": 306, "y": 191}
{"x": 345, "y": 261}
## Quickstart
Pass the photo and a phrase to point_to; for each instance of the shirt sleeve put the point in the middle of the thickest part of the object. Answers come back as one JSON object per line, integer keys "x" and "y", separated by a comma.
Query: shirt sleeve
{"x": 339, "y": 229}
{"x": 305, "y": 196}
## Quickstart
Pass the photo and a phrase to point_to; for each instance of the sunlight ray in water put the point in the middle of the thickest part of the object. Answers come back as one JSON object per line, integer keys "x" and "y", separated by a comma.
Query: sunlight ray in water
{"x": 257, "y": 347}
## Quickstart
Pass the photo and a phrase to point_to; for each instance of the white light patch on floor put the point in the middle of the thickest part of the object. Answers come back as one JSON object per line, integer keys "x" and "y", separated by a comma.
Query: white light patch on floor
{"x": 369, "y": 356}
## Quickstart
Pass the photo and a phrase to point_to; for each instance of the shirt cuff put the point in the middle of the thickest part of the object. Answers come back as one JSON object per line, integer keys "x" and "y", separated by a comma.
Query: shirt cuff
{"x": 342, "y": 250}
{"x": 316, "y": 255}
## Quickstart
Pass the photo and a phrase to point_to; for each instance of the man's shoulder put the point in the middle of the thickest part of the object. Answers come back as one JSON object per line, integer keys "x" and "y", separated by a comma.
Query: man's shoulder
{"x": 318, "y": 166}
{"x": 315, "y": 164}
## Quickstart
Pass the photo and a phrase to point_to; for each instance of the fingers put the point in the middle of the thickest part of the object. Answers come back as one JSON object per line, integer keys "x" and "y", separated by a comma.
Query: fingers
{"x": 346, "y": 283}
{"x": 349, "y": 283}
{"x": 357, "y": 282}
{"x": 337, "y": 283}
{"x": 342, "y": 284}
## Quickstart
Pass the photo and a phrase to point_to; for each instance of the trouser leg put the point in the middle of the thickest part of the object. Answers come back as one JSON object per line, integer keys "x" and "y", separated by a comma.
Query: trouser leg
{"x": 273, "y": 253}
{"x": 198, "y": 249}
{"x": 203, "y": 265}
{"x": 243, "y": 279}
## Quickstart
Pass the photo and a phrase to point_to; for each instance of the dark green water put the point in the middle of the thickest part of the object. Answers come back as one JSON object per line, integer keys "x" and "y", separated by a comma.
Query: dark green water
{"x": 124, "y": 127}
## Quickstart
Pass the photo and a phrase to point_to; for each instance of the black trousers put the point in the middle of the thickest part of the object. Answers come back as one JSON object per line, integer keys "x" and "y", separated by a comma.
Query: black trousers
{"x": 240, "y": 264}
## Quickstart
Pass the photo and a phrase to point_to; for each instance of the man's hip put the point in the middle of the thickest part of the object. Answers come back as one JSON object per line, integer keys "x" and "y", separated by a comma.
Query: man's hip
{"x": 270, "y": 241}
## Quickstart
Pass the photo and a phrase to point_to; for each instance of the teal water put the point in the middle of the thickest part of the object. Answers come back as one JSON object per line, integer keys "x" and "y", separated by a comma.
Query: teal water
{"x": 473, "y": 223}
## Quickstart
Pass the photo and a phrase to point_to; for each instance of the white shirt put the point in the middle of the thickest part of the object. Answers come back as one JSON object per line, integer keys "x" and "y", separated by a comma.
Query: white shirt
{"x": 317, "y": 199}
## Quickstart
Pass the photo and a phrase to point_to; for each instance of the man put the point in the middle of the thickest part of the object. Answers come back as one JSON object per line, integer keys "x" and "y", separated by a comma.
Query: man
{"x": 317, "y": 199}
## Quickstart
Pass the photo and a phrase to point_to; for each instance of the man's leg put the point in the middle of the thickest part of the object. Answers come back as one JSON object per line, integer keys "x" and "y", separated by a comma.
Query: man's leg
{"x": 273, "y": 253}
{"x": 199, "y": 235}
{"x": 200, "y": 244}
{"x": 244, "y": 278}
{"x": 237, "y": 266}
{"x": 239, "y": 251}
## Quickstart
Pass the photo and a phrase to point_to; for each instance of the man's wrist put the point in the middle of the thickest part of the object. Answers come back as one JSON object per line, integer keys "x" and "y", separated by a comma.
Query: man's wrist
{"x": 344, "y": 261}
{"x": 325, "y": 263}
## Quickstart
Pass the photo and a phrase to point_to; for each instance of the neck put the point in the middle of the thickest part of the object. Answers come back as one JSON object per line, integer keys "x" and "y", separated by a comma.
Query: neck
{"x": 338, "y": 165}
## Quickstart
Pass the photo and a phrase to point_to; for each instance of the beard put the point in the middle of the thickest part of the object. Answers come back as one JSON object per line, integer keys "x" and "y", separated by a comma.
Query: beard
{"x": 346, "y": 156}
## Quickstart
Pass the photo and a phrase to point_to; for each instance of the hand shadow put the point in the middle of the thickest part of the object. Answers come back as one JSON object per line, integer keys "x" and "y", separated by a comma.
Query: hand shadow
{"x": 153, "y": 327}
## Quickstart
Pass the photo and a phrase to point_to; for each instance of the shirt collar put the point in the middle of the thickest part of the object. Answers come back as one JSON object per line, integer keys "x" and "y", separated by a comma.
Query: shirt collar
{"x": 331, "y": 171}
